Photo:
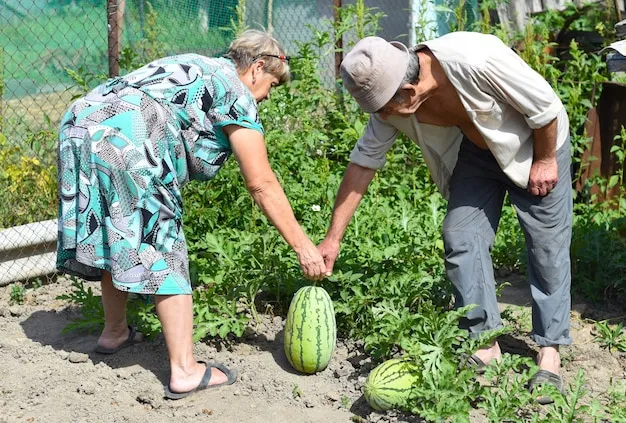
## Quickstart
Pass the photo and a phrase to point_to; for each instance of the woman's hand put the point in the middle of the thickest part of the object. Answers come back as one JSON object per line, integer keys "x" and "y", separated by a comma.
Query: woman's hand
{"x": 249, "y": 149}
{"x": 311, "y": 262}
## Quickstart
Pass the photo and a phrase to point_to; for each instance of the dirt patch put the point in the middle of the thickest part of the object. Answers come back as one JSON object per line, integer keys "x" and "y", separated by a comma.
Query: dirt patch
{"x": 49, "y": 376}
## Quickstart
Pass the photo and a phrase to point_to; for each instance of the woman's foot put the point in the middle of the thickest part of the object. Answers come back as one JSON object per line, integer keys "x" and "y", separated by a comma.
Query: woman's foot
{"x": 113, "y": 337}
{"x": 185, "y": 380}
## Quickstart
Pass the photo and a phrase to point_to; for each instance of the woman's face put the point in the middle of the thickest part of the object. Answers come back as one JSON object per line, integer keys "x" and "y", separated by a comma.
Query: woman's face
{"x": 260, "y": 82}
{"x": 264, "y": 85}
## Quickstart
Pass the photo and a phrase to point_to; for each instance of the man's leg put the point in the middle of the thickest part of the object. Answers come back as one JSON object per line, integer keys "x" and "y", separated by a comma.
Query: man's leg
{"x": 176, "y": 315}
{"x": 547, "y": 225}
{"x": 114, "y": 303}
{"x": 474, "y": 208}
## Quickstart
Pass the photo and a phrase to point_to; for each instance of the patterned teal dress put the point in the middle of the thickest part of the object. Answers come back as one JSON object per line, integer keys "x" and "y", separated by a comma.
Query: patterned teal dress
{"x": 125, "y": 150}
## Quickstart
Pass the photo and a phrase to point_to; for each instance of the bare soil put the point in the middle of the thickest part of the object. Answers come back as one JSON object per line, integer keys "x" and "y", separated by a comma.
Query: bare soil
{"x": 50, "y": 376}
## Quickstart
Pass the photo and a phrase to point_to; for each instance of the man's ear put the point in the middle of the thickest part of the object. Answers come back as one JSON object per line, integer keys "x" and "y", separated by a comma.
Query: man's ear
{"x": 409, "y": 90}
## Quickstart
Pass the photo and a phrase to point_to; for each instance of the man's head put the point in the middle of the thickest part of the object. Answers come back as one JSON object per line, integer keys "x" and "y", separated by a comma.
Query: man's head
{"x": 374, "y": 71}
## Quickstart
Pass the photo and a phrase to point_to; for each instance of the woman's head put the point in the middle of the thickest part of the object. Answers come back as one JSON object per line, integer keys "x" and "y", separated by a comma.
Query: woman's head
{"x": 256, "y": 53}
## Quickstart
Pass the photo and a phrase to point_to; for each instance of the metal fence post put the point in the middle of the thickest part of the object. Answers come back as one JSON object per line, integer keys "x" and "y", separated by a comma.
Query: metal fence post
{"x": 338, "y": 41}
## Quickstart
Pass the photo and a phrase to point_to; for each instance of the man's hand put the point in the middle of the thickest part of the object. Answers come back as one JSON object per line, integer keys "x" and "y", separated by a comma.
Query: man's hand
{"x": 329, "y": 250}
{"x": 544, "y": 174}
{"x": 312, "y": 262}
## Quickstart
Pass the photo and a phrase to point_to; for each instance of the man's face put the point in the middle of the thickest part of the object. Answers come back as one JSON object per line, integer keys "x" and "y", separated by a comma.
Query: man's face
{"x": 404, "y": 104}
{"x": 394, "y": 108}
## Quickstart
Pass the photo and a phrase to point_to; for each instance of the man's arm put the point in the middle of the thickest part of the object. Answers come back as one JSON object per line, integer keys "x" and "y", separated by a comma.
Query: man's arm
{"x": 351, "y": 191}
{"x": 544, "y": 172}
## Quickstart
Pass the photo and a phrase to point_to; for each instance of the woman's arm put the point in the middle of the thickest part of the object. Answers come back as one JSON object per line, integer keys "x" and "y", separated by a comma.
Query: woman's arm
{"x": 249, "y": 149}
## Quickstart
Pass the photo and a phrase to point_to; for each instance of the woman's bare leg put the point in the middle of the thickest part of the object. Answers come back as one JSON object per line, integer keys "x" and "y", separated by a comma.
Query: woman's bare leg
{"x": 176, "y": 316}
{"x": 114, "y": 301}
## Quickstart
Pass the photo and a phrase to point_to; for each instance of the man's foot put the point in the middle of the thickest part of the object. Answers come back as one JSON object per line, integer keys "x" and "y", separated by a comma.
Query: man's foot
{"x": 483, "y": 357}
{"x": 488, "y": 354}
{"x": 549, "y": 359}
{"x": 549, "y": 362}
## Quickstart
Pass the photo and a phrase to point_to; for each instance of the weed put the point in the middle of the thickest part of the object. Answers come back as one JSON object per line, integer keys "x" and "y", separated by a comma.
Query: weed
{"x": 17, "y": 294}
{"x": 92, "y": 312}
{"x": 345, "y": 402}
{"x": 611, "y": 337}
{"x": 296, "y": 392}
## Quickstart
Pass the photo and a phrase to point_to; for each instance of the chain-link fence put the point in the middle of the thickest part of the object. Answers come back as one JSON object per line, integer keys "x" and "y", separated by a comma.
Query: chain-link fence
{"x": 51, "y": 50}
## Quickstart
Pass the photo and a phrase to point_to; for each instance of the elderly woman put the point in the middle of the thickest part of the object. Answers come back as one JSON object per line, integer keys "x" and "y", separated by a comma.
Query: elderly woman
{"x": 125, "y": 150}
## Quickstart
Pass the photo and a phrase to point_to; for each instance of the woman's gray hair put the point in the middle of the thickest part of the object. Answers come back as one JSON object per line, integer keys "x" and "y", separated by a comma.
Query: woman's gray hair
{"x": 253, "y": 45}
{"x": 411, "y": 76}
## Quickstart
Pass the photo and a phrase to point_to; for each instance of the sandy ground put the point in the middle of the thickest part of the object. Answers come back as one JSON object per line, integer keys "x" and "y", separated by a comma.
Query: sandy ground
{"x": 49, "y": 376}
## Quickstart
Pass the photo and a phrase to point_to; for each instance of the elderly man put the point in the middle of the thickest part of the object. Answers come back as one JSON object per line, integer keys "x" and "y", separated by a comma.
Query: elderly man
{"x": 487, "y": 124}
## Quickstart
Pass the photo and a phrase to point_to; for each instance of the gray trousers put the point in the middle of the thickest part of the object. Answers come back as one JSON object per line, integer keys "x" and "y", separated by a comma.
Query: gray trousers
{"x": 477, "y": 191}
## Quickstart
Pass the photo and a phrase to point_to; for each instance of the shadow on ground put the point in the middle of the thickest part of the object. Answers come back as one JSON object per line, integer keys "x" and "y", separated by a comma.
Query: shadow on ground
{"x": 46, "y": 328}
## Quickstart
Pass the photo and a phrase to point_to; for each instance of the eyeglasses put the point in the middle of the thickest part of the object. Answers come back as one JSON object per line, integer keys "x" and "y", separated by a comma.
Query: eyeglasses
{"x": 277, "y": 56}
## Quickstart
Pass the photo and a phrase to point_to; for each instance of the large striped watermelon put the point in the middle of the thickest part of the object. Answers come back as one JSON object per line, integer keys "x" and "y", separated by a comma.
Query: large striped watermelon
{"x": 389, "y": 384}
{"x": 310, "y": 330}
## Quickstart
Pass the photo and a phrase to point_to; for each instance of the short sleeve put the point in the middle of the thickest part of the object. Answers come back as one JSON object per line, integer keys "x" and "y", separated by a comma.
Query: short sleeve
{"x": 241, "y": 112}
{"x": 371, "y": 149}
{"x": 511, "y": 80}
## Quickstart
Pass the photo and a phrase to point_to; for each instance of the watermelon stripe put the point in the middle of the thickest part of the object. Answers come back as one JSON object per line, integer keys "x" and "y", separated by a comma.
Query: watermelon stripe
{"x": 387, "y": 373}
{"x": 310, "y": 330}
{"x": 318, "y": 338}
{"x": 393, "y": 376}
{"x": 289, "y": 330}
{"x": 300, "y": 330}
{"x": 390, "y": 384}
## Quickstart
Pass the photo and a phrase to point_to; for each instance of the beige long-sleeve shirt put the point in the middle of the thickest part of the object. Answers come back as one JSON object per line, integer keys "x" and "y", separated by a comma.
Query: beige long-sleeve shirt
{"x": 503, "y": 96}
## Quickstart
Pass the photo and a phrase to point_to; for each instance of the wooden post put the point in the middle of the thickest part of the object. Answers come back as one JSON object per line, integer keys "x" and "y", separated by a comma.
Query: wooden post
{"x": 115, "y": 16}
{"x": 338, "y": 41}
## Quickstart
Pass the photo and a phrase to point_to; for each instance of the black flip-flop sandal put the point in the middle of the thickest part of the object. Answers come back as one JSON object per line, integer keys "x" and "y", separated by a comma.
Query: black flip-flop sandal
{"x": 473, "y": 362}
{"x": 545, "y": 377}
{"x": 204, "y": 383}
{"x": 134, "y": 337}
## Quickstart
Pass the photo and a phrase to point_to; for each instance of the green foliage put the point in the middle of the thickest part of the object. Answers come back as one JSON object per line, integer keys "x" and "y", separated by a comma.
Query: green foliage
{"x": 345, "y": 402}
{"x": 505, "y": 393}
{"x": 358, "y": 20}
{"x": 17, "y": 294}
{"x": 92, "y": 312}
{"x": 28, "y": 186}
{"x": 599, "y": 238}
{"x": 141, "y": 313}
{"x": 1, "y": 87}
{"x": 571, "y": 407}
{"x": 389, "y": 286}
{"x": 611, "y": 337}
{"x": 150, "y": 45}
{"x": 615, "y": 410}
{"x": 238, "y": 21}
